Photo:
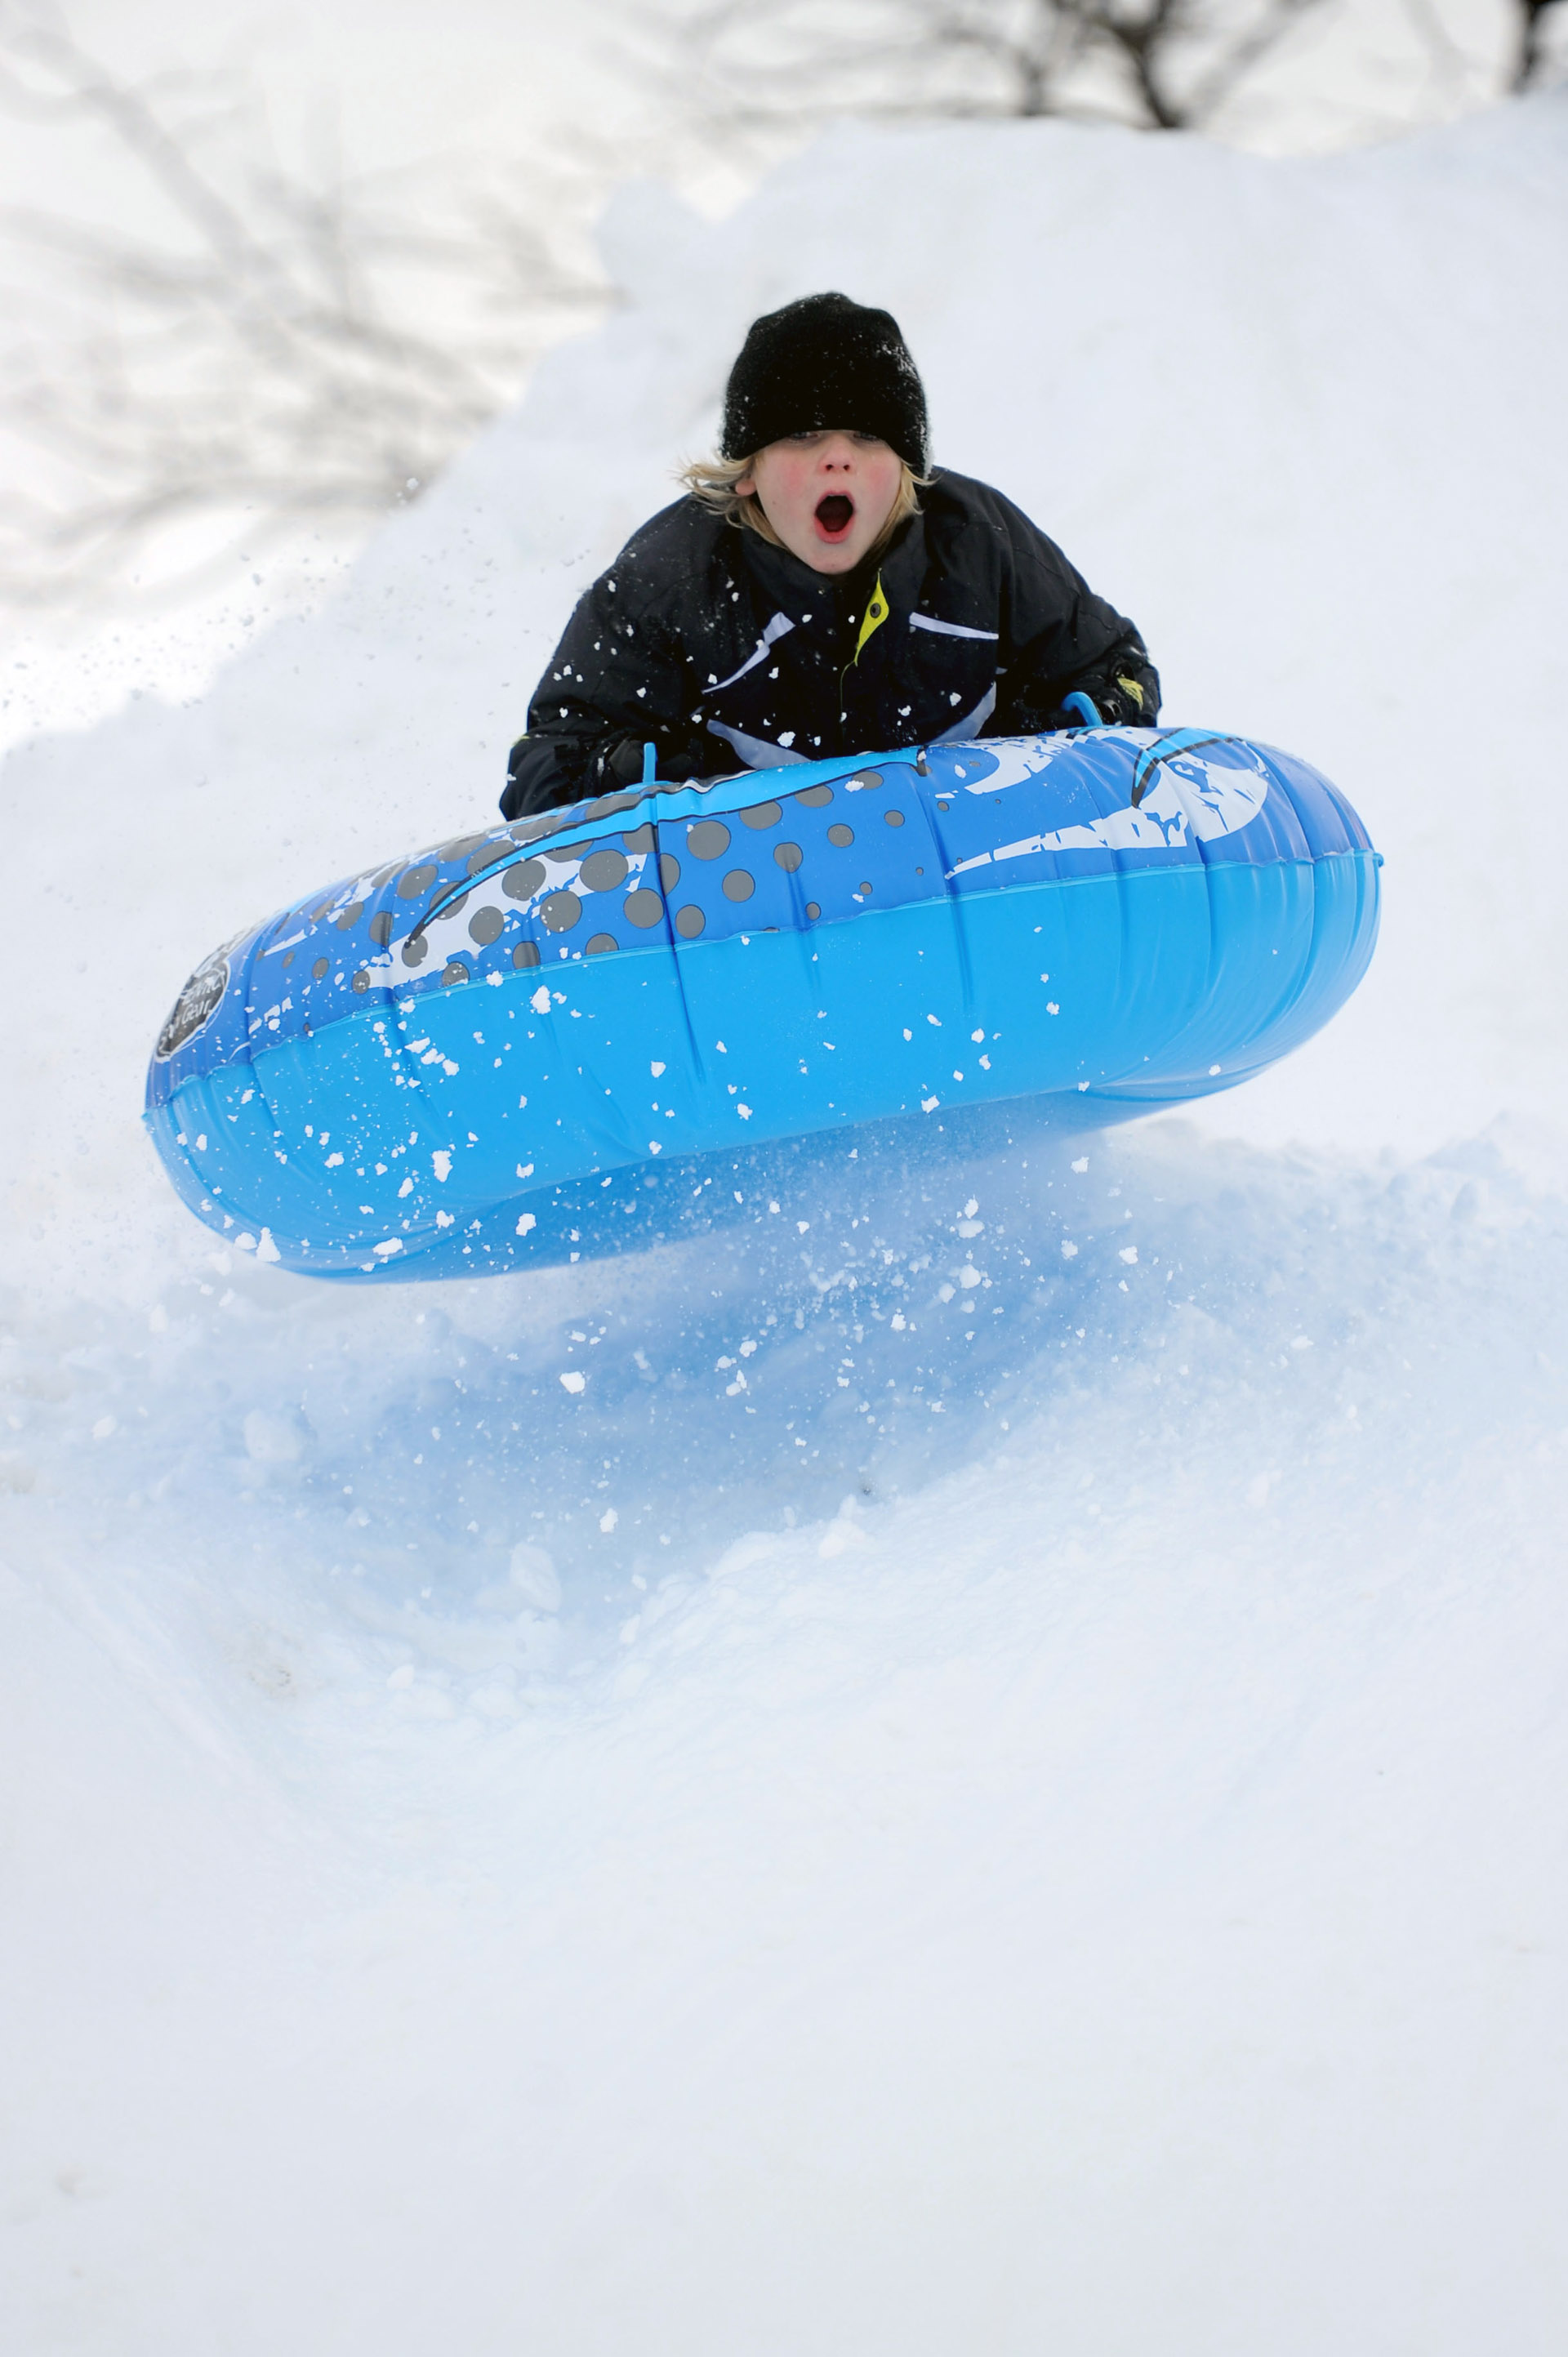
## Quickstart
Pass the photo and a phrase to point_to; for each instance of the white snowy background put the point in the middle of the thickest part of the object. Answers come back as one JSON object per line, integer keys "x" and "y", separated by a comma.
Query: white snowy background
{"x": 1038, "y": 1827}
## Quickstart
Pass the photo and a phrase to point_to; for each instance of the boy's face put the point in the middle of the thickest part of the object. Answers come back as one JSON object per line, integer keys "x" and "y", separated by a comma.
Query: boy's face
{"x": 827, "y": 495}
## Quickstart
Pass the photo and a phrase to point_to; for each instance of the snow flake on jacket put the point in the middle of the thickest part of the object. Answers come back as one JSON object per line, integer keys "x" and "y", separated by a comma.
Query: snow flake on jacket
{"x": 726, "y": 652}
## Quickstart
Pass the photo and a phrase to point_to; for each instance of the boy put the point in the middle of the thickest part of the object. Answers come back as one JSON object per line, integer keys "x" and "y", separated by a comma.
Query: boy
{"x": 846, "y": 614}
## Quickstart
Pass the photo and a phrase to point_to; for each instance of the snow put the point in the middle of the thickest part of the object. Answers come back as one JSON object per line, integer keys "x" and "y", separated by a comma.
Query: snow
{"x": 986, "y": 1771}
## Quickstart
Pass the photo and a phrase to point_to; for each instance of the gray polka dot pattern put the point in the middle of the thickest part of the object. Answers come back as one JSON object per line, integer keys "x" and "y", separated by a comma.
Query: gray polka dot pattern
{"x": 627, "y": 883}
{"x": 669, "y": 880}
{"x": 603, "y": 869}
{"x": 514, "y": 900}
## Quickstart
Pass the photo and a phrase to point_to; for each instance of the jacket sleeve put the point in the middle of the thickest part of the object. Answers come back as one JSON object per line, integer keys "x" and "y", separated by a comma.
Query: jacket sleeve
{"x": 617, "y": 679}
{"x": 1058, "y": 636}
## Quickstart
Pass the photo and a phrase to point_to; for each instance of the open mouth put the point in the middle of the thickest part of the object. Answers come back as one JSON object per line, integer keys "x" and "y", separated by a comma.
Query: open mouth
{"x": 835, "y": 515}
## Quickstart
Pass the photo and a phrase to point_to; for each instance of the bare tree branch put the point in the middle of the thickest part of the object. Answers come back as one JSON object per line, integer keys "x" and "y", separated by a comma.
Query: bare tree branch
{"x": 1531, "y": 51}
{"x": 296, "y": 349}
{"x": 1158, "y": 64}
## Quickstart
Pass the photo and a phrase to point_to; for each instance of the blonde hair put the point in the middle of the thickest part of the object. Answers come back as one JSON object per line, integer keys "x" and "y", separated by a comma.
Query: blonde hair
{"x": 713, "y": 483}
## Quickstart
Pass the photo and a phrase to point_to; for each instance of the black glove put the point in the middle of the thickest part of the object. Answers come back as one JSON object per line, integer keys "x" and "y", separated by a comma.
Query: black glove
{"x": 1124, "y": 690}
{"x": 540, "y": 772}
{"x": 617, "y": 762}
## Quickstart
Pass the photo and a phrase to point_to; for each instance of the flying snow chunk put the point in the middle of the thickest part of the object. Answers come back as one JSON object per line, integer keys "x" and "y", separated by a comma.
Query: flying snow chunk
{"x": 572, "y": 1380}
{"x": 540, "y": 1002}
{"x": 1129, "y": 1252}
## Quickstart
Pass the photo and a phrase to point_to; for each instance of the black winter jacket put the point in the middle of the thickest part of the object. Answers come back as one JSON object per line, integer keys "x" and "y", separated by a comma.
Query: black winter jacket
{"x": 728, "y": 654}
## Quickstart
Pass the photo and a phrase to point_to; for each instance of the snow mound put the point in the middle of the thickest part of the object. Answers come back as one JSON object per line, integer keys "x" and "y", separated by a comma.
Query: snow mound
{"x": 989, "y": 1775}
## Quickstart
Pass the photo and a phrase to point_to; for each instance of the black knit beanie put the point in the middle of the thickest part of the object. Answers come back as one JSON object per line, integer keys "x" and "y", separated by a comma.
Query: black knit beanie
{"x": 820, "y": 364}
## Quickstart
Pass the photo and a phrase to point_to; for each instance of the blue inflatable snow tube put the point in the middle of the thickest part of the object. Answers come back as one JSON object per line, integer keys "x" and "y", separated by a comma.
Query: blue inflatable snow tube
{"x": 526, "y": 1045}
